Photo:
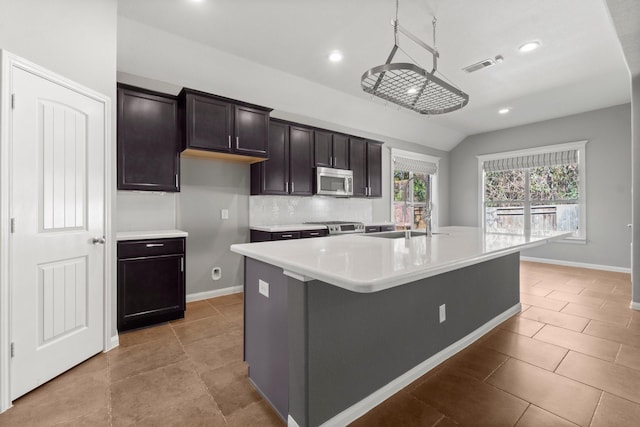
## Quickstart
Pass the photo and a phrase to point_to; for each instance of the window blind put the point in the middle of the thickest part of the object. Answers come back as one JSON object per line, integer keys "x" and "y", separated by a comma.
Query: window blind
{"x": 406, "y": 164}
{"x": 532, "y": 161}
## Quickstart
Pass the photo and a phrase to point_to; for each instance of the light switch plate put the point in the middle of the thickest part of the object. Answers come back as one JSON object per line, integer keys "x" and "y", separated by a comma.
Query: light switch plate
{"x": 263, "y": 288}
{"x": 224, "y": 213}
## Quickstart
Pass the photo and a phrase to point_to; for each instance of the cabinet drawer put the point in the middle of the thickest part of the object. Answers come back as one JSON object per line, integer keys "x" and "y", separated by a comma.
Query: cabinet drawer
{"x": 371, "y": 229}
{"x": 150, "y": 247}
{"x": 313, "y": 233}
{"x": 285, "y": 235}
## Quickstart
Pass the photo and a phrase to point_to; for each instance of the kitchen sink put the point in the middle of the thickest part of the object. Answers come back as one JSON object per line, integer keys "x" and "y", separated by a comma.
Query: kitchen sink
{"x": 398, "y": 234}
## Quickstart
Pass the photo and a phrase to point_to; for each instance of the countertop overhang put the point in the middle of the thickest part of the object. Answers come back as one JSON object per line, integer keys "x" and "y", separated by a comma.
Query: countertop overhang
{"x": 150, "y": 234}
{"x": 364, "y": 263}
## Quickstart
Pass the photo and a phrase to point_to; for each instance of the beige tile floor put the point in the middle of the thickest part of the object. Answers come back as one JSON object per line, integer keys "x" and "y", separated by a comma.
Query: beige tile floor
{"x": 572, "y": 357}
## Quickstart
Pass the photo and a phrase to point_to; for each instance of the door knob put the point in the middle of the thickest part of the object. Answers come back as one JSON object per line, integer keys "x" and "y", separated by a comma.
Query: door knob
{"x": 98, "y": 240}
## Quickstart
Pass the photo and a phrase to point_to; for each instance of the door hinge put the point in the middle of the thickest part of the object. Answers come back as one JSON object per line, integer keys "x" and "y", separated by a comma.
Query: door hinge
{"x": 13, "y": 101}
{"x": 182, "y": 265}
{"x": 12, "y": 225}
{"x": 13, "y": 350}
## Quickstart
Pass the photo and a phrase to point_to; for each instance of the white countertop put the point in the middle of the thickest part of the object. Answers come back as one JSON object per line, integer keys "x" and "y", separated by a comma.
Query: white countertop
{"x": 362, "y": 263}
{"x": 287, "y": 227}
{"x": 150, "y": 234}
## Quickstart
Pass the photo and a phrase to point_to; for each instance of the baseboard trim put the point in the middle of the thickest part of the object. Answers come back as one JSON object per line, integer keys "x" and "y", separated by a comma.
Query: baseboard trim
{"x": 577, "y": 264}
{"x": 368, "y": 403}
{"x": 635, "y": 305}
{"x": 291, "y": 422}
{"x": 113, "y": 342}
{"x": 214, "y": 293}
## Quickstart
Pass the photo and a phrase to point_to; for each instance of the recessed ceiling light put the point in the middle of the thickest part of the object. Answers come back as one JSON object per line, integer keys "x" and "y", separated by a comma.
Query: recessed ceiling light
{"x": 412, "y": 90}
{"x": 529, "y": 46}
{"x": 335, "y": 56}
{"x": 504, "y": 110}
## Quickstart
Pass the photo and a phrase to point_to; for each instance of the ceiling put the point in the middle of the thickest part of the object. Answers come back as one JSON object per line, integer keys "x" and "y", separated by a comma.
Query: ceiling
{"x": 580, "y": 66}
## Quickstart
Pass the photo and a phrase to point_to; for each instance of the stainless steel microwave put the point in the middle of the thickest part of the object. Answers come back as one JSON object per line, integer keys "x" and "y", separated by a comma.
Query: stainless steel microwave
{"x": 334, "y": 182}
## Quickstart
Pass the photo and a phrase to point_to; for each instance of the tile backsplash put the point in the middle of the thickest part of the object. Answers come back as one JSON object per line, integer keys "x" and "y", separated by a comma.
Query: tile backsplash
{"x": 281, "y": 210}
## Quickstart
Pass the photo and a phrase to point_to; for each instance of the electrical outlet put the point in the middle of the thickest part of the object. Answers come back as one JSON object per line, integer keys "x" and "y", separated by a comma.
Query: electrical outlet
{"x": 443, "y": 313}
{"x": 224, "y": 213}
{"x": 263, "y": 288}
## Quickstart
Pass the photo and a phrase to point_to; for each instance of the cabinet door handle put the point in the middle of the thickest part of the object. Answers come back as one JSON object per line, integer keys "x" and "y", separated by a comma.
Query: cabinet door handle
{"x": 334, "y": 161}
{"x": 154, "y": 245}
{"x": 286, "y": 187}
{"x": 314, "y": 234}
{"x": 293, "y": 187}
{"x": 237, "y": 142}
{"x": 287, "y": 235}
{"x": 182, "y": 264}
{"x": 229, "y": 142}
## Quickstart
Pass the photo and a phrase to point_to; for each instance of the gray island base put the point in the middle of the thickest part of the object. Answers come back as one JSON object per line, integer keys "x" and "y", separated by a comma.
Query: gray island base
{"x": 321, "y": 354}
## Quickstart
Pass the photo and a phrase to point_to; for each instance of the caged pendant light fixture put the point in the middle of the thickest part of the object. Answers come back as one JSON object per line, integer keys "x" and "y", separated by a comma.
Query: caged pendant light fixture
{"x": 411, "y": 86}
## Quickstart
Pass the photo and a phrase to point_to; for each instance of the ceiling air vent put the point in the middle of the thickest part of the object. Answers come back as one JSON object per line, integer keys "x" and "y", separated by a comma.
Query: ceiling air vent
{"x": 479, "y": 65}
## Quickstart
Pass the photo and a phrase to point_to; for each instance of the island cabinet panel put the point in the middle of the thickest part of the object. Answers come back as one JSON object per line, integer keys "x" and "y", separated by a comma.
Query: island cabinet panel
{"x": 266, "y": 334}
{"x": 151, "y": 281}
{"x": 331, "y": 150}
{"x": 289, "y": 169}
{"x": 216, "y": 124}
{"x": 148, "y": 144}
{"x": 365, "y": 160}
{"x": 367, "y": 351}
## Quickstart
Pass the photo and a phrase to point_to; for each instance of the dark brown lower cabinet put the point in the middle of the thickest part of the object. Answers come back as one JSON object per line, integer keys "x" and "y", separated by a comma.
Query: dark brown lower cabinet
{"x": 151, "y": 281}
{"x": 266, "y": 236}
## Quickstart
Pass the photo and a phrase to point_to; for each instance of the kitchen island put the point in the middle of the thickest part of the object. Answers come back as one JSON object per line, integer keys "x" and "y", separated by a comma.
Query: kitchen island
{"x": 334, "y": 326}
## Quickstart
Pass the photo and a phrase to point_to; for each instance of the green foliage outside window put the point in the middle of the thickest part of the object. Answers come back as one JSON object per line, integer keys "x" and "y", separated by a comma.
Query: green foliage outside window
{"x": 545, "y": 183}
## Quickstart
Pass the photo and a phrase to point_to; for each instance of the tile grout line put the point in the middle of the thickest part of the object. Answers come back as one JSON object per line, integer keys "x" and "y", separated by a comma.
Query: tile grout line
{"x": 523, "y": 412}
{"x": 195, "y": 370}
{"x": 109, "y": 390}
{"x": 596, "y": 408}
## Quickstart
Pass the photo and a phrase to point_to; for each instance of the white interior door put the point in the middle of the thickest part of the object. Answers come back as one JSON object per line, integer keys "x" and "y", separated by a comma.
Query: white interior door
{"x": 57, "y": 204}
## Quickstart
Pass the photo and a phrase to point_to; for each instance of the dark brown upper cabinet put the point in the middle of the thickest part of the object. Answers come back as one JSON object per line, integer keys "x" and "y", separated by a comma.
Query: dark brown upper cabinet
{"x": 148, "y": 142}
{"x": 331, "y": 150}
{"x": 223, "y": 128}
{"x": 289, "y": 169}
{"x": 365, "y": 159}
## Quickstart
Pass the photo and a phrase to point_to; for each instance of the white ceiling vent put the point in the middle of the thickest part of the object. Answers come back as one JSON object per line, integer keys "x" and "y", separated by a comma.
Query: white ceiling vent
{"x": 479, "y": 65}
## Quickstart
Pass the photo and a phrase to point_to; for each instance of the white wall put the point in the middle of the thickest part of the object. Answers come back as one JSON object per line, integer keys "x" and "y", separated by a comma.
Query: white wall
{"x": 635, "y": 155}
{"x": 74, "y": 38}
{"x": 157, "y": 60}
{"x": 608, "y": 180}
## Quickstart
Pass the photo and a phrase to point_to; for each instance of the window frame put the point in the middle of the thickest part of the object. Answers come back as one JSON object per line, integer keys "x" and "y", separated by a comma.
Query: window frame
{"x": 433, "y": 182}
{"x": 579, "y": 146}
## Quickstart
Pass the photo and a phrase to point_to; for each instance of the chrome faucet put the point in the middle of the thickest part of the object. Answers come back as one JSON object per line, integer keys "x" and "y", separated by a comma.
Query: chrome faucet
{"x": 407, "y": 230}
{"x": 427, "y": 214}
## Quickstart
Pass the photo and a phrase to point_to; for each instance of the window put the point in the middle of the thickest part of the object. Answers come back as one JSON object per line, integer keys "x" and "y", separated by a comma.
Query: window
{"x": 536, "y": 190}
{"x": 414, "y": 185}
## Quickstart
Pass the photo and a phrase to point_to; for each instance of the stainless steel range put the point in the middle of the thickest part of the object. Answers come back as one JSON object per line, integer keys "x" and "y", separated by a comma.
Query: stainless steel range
{"x": 341, "y": 227}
